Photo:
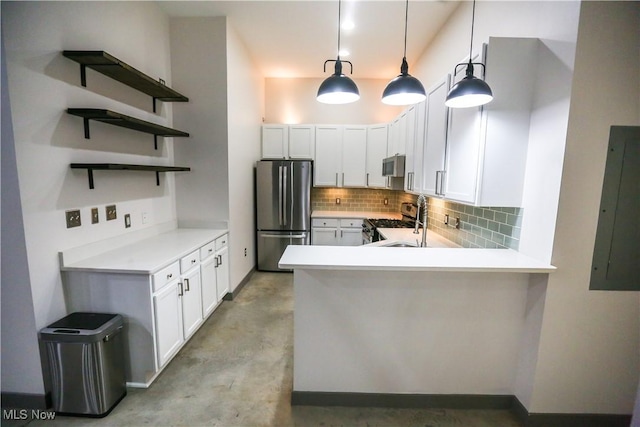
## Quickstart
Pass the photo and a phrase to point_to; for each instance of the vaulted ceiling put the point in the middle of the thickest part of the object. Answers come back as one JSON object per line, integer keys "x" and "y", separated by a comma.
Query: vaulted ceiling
{"x": 294, "y": 38}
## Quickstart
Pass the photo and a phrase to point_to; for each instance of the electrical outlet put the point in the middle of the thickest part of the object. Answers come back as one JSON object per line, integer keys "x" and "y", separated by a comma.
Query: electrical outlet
{"x": 73, "y": 218}
{"x": 127, "y": 220}
{"x": 94, "y": 216}
{"x": 386, "y": 201}
{"x": 446, "y": 219}
{"x": 457, "y": 225}
{"x": 111, "y": 212}
{"x": 337, "y": 200}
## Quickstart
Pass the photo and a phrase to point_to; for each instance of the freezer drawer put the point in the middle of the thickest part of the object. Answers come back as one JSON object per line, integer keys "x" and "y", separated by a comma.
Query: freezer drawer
{"x": 271, "y": 246}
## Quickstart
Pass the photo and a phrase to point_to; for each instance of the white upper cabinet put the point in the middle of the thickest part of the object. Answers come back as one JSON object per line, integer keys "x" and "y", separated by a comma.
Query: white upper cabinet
{"x": 281, "y": 141}
{"x": 376, "y": 152}
{"x": 328, "y": 159}
{"x": 340, "y": 159}
{"x": 274, "y": 141}
{"x": 354, "y": 159}
{"x": 414, "y": 137}
{"x": 397, "y": 135}
{"x": 302, "y": 140}
{"x": 487, "y": 146}
{"x": 435, "y": 139}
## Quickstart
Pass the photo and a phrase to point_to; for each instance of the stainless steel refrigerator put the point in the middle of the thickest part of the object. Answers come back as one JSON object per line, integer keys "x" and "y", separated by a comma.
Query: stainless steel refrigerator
{"x": 283, "y": 203}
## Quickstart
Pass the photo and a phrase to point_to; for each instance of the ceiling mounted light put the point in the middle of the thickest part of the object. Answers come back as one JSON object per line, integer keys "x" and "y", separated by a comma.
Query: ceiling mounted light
{"x": 470, "y": 91}
{"x": 338, "y": 88}
{"x": 404, "y": 89}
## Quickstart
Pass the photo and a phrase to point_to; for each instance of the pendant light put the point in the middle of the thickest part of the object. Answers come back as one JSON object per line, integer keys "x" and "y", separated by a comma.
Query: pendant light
{"x": 470, "y": 91}
{"x": 404, "y": 89}
{"x": 338, "y": 88}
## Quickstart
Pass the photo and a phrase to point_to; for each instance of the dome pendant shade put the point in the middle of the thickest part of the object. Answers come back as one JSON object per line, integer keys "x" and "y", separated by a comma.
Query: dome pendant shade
{"x": 469, "y": 92}
{"x": 404, "y": 89}
{"x": 338, "y": 88}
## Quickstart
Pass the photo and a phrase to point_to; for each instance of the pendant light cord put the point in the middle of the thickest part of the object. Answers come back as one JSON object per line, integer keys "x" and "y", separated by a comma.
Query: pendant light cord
{"x": 406, "y": 19}
{"x": 339, "y": 23}
{"x": 473, "y": 18}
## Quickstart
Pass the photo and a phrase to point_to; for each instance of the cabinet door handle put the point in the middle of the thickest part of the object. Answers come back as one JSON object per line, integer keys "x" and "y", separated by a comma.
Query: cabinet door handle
{"x": 367, "y": 180}
{"x": 186, "y": 281}
{"x": 217, "y": 262}
{"x": 220, "y": 259}
{"x": 181, "y": 292}
{"x": 169, "y": 276}
{"x": 193, "y": 261}
{"x": 336, "y": 179}
{"x": 335, "y": 233}
{"x": 210, "y": 250}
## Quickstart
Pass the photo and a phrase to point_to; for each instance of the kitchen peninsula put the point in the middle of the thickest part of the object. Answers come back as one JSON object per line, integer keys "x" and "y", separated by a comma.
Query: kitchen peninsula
{"x": 377, "y": 325}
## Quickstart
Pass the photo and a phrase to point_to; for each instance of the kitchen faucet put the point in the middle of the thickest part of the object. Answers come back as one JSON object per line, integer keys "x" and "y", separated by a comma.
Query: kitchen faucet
{"x": 422, "y": 206}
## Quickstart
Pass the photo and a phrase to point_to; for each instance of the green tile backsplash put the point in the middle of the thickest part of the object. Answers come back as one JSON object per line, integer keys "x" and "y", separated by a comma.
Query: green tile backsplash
{"x": 486, "y": 227}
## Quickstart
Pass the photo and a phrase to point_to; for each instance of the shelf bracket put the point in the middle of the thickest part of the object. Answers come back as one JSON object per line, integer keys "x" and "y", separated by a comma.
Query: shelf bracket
{"x": 90, "y": 175}
{"x": 154, "y": 104}
{"x": 155, "y": 141}
{"x": 83, "y": 75}
{"x": 157, "y": 178}
{"x": 86, "y": 128}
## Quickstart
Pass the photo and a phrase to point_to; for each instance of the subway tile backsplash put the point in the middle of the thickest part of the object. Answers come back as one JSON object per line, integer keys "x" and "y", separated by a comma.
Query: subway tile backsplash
{"x": 485, "y": 227}
{"x": 355, "y": 199}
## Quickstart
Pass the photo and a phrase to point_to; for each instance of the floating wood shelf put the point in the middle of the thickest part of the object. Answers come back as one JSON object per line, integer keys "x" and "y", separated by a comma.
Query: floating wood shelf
{"x": 90, "y": 167}
{"x": 117, "y": 119}
{"x": 111, "y": 66}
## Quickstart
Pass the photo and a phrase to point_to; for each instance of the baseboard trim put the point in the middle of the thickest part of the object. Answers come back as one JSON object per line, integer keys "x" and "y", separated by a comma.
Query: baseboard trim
{"x": 392, "y": 400}
{"x": 231, "y": 295}
{"x": 529, "y": 419}
{"x": 25, "y": 400}
{"x": 458, "y": 401}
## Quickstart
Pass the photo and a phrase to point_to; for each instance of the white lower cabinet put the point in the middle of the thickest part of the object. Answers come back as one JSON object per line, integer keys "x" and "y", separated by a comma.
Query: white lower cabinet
{"x": 336, "y": 232}
{"x": 167, "y": 318}
{"x": 222, "y": 267}
{"x": 162, "y": 310}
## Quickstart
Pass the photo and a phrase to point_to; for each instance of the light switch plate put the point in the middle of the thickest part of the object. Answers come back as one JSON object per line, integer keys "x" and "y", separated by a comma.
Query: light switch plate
{"x": 111, "y": 212}
{"x": 73, "y": 218}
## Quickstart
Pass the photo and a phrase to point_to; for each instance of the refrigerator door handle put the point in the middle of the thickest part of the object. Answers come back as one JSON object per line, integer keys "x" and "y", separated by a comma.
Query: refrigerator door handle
{"x": 280, "y": 194}
{"x": 284, "y": 196}
{"x": 283, "y": 236}
{"x": 291, "y": 193}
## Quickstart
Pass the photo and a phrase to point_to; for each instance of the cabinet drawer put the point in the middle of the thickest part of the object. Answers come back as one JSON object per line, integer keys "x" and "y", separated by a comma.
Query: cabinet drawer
{"x": 189, "y": 261}
{"x": 221, "y": 242}
{"x": 350, "y": 223}
{"x": 207, "y": 250}
{"x": 165, "y": 276}
{"x": 324, "y": 222}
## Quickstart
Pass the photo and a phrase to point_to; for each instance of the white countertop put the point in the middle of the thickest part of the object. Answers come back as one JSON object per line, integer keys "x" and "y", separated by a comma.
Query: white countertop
{"x": 410, "y": 259}
{"x": 149, "y": 255}
{"x": 358, "y": 214}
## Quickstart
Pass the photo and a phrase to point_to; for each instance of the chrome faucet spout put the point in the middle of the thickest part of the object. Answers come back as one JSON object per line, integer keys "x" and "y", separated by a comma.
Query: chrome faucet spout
{"x": 422, "y": 206}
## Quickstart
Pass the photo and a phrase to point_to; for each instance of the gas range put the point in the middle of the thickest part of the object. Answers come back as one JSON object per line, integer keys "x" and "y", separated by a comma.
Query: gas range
{"x": 370, "y": 233}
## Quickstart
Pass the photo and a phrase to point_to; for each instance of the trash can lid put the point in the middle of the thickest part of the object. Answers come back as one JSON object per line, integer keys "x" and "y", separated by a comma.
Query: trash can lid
{"x": 82, "y": 327}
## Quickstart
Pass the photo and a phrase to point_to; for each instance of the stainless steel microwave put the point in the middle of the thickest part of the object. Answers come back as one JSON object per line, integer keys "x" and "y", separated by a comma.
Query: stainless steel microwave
{"x": 393, "y": 166}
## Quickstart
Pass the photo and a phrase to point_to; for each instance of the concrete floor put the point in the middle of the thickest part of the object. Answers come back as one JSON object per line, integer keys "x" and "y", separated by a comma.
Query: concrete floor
{"x": 237, "y": 371}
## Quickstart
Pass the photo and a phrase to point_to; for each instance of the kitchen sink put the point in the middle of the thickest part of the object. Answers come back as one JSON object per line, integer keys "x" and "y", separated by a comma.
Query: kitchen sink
{"x": 397, "y": 244}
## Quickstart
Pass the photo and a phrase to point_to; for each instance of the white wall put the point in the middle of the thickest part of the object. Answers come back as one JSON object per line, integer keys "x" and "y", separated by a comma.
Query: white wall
{"x": 246, "y": 108}
{"x": 293, "y": 101}
{"x": 16, "y": 285}
{"x": 223, "y": 117}
{"x": 589, "y": 352}
{"x": 198, "y": 64}
{"x": 42, "y": 84}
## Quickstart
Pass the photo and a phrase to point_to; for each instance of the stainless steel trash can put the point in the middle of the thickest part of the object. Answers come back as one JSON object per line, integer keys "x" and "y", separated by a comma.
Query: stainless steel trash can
{"x": 85, "y": 353}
